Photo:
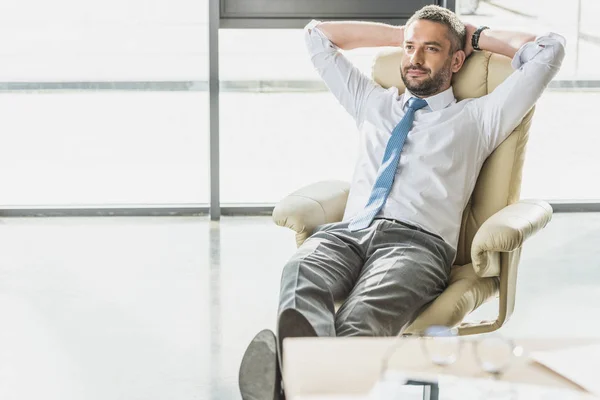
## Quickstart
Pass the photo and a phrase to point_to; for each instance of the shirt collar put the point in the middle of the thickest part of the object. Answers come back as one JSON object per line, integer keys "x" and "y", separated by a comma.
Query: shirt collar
{"x": 435, "y": 103}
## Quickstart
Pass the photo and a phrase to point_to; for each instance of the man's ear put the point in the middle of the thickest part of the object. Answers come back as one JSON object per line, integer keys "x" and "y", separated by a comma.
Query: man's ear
{"x": 458, "y": 60}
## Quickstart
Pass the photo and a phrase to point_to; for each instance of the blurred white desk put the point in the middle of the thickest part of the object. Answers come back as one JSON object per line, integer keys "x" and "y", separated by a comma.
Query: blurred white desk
{"x": 351, "y": 366}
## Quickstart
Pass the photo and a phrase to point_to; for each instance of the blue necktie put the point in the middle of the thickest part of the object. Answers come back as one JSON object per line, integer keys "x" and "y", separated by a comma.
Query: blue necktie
{"x": 387, "y": 170}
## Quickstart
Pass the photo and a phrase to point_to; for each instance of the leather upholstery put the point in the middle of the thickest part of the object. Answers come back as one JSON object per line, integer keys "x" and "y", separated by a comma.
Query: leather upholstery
{"x": 311, "y": 206}
{"x": 494, "y": 223}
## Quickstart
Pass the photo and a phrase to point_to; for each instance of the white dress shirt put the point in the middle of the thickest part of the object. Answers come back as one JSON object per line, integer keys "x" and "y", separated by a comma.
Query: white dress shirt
{"x": 449, "y": 140}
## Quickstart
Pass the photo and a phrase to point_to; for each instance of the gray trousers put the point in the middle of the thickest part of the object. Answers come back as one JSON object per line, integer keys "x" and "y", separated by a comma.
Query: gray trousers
{"x": 384, "y": 274}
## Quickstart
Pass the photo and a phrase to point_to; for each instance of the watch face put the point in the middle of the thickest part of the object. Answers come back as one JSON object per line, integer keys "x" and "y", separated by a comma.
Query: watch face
{"x": 475, "y": 40}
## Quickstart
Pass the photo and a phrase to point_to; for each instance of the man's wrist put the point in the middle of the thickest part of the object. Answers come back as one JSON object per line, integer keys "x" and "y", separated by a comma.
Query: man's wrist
{"x": 398, "y": 36}
{"x": 499, "y": 42}
{"x": 476, "y": 36}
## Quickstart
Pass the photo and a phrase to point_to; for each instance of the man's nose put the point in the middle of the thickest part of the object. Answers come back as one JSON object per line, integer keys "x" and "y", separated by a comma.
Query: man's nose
{"x": 417, "y": 57}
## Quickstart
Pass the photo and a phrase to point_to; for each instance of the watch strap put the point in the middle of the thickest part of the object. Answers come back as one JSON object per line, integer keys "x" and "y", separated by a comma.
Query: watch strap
{"x": 476, "y": 35}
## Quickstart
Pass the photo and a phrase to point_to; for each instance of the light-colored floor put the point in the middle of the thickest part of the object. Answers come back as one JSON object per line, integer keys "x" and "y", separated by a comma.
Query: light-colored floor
{"x": 162, "y": 308}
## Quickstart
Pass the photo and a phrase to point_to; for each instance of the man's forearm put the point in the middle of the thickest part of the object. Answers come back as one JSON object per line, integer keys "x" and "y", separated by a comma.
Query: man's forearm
{"x": 353, "y": 34}
{"x": 349, "y": 35}
{"x": 503, "y": 42}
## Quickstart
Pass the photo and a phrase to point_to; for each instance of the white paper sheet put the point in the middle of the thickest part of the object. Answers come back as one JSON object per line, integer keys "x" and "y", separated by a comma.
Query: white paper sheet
{"x": 454, "y": 388}
{"x": 580, "y": 365}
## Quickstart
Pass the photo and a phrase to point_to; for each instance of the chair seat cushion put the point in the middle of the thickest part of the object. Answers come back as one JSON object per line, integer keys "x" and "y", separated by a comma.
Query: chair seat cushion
{"x": 465, "y": 292}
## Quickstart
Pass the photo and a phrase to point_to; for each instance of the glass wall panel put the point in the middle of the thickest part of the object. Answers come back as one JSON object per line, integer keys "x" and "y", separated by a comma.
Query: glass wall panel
{"x": 85, "y": 147}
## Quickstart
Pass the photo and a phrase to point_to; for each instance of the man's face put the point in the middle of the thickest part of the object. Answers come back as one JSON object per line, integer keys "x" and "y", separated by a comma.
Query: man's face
{"x": 427, "y": 64}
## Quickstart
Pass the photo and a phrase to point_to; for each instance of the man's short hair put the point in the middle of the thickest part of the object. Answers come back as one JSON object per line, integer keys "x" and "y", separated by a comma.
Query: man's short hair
{"x": 456, "y": 29}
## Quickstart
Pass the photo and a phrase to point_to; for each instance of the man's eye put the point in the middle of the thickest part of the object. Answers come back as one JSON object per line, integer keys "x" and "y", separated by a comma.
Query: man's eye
{"x": 432, "y": 49}
{"x": 409, "y": 47}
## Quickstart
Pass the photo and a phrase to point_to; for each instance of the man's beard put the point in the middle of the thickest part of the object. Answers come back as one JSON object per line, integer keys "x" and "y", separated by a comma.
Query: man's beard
{"x": 428, "y": 86}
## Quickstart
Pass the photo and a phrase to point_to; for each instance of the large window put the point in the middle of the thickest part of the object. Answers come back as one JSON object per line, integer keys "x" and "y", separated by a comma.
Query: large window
{"x": 82, "y": 144}
{"x": 107, "y": 103}
{"x": 276, "y": 139}
{"x": 286, "y": 132}
{"x": 561, "y": 152}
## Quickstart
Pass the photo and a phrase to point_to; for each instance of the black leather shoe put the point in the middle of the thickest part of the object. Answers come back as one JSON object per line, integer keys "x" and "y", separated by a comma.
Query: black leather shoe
{"x": 292, "y": 324}
{"x": 259, "y": 377}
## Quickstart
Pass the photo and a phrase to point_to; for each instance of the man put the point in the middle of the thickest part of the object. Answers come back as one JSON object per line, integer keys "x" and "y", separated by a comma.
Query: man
{"x": 419, "y": 159}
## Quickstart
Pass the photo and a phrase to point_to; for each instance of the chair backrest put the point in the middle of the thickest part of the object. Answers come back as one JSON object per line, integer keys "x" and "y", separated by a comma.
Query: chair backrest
{"x": 499, "y": 182}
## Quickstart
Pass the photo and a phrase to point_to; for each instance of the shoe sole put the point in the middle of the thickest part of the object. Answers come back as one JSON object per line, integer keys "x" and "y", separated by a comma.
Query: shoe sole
{"x": 292, "y": 324}
{"x": 259, "y": 377}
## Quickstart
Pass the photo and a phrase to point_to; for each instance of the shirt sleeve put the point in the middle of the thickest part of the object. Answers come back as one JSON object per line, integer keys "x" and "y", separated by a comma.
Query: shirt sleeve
{"x": 346, "y": 82}
{"x": 499, "y": 112}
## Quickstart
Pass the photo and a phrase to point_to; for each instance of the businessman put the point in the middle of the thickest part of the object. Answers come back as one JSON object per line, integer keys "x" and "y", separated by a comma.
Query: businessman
{"x": 420, "y": 155}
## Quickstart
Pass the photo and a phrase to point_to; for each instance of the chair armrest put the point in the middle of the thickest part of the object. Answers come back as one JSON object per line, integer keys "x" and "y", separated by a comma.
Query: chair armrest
{"x": 496, "y": 251}
{"x": 505, "y": 231}
{"x": 313, "y": 205}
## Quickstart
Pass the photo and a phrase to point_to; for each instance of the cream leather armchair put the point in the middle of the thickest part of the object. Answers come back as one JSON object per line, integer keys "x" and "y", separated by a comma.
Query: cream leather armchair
{"x": 495, "y": 224}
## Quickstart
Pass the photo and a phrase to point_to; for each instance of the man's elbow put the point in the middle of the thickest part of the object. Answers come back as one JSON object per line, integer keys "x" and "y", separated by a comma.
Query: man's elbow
{"x": 556, "y": 48}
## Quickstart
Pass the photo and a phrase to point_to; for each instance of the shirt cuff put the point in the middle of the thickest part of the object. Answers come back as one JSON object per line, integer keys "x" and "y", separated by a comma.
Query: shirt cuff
{"x": 530, "y": 50}
{"x": 316, "y": 41}
{"x": 311, "y": 25}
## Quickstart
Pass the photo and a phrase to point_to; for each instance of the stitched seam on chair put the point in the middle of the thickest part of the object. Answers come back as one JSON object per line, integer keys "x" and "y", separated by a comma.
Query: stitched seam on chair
{"x": 497, "y": 249}
{"x": 464, "y": 228}
{"x": 470, "y": 212}
{"x": 468, "y": 298}
{"x": 471, "y": 216}
{"x": 513, "y": 169}
{"x": 309, "y": 198}
{"x": 487, "y": 72}
{"x": 461, "y": 308}
{"x": 521, "y": 131}
{"x": 543, "y": 208}
{"x": 487, "y": 90}
{"x": 464, "y": 235}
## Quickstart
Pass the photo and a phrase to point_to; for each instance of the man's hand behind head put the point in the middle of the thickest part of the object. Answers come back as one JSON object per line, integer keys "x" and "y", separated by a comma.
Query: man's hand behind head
{"x": 468, "y": 47}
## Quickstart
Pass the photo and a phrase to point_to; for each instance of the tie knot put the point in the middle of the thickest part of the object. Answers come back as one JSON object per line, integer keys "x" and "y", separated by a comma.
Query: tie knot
{"x": 416, "y": 104}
